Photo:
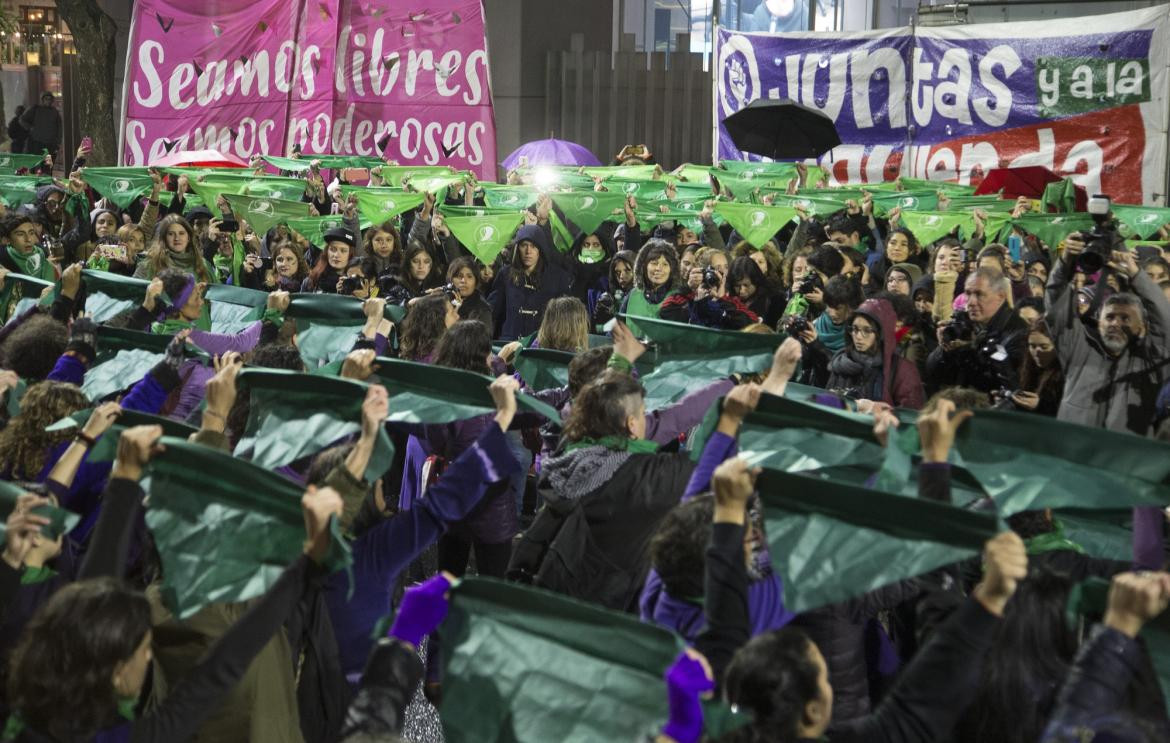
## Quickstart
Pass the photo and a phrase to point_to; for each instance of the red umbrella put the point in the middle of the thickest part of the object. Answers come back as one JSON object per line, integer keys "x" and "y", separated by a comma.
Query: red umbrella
{"x": 1014, "y": 182}
{"x": 198, "y": 159}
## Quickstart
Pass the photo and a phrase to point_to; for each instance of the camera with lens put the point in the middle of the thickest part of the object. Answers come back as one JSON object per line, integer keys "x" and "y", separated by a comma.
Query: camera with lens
{"x": 960, "y": 328}
{"x": 794, "y": 325}
{"x": 810, "y": 283}
{"x": 351, "y": 284}
{"x": 1100, "y": 240}
{"x": 1003, "y": 398}
{"x": 711, "y": 278}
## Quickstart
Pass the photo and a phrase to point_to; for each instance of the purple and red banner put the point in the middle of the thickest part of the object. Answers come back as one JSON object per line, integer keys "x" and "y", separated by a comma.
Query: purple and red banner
{"x": 342, "y": 77}
{"x": 952, "y": 103}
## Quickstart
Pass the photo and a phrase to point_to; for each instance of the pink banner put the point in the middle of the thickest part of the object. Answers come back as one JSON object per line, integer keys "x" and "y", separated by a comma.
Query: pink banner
{"x": 334, "y": 76}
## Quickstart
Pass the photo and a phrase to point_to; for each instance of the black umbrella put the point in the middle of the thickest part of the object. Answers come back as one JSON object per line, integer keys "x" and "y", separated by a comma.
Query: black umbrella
{"x": 782, "y": 130}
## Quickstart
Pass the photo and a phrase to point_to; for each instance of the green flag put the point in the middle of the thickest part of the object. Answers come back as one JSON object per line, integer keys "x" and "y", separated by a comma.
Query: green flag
{"x": 123, "y": 186}
{"x": 328, "y": 324}
{"x": 328, "y": 162}
{"x": 512, "y": 197}
{"x": 234, "y": 308}
{"x": 1140, "y": 221}
{"x": 641, "y": 190}
{"x": 628, "y": 172}
{"x": 906, "y": 200}
{"x": 990, "y": 203}
{"x": 543, "y": 368}
{"x": 225, "y": 529}
{"x": 11, "y": 162}
{"x": 1060, "y": 196}
{"x": 383, "y": 204}
{"x": 436, "y": 183}
{"x": 833, "y": 541}
{"x": 686, "y": 356}
{"x": 60, "y": 520}
{"x": 106, "y": 448}
{"x": 422, "y": 393}
{"x": 1026, "y": 465}
{"x": 314, "y": 228}
{"x": 814, "y": 205}
{"x": 530, "y": 666}
{"x": 396, "y": 175}
{"x": 264, "y": 213}
{"x": 17, "y": 190}
{"x": 951, "y": 189}
{"x": 756, "y": 223}
{"x": 211, "y": 185}
{"x": 589, "y": 210}
{"x": 929, "y": 226}
{"x": 485, "y": 236}
{"x": 294, "y": 416}
{"x": 108, "y": 295}
{"x": 1051, "y": 229}
{"x": 124, "y": 357}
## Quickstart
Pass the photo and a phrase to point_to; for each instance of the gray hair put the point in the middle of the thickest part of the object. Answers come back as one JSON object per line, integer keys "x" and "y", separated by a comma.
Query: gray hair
{"x": 1126, "y": 299}
{"x": 994, "y": 278}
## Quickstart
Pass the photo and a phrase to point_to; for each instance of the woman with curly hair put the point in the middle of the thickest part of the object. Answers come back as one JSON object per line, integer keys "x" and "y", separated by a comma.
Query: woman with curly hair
{"x": 424, "y": 324}
{"x": 383, "y": 249}
{"x": 25, "y": 444}
{"x": 175, "y": 246}
{"x": 656, "y": 277}
{"x": 768, "y": 258}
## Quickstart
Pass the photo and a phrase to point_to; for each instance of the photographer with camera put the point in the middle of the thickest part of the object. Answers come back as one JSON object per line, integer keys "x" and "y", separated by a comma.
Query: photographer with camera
{"x": 706, "y": 301}
{"x": 826, "y": 336}
{"x": 1114, "y": 371}
{"x": 981, "y": 347}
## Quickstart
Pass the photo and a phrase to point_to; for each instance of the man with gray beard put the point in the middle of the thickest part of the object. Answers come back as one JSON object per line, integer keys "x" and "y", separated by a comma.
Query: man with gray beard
{"x": 1115, "y": 369}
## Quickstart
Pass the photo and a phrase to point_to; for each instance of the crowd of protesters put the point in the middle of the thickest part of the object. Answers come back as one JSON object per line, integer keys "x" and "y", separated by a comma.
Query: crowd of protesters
{"x": 859, "y": 308}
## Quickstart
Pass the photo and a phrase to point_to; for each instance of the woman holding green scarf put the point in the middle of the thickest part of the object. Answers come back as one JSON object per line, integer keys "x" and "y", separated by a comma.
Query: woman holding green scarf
{"x": 658, "y": 277}
{"x": 185, "y": 312}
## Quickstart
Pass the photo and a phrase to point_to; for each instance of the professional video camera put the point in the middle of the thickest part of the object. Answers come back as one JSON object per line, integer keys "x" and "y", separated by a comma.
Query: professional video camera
{"x": 960, "y": 328}
{"x": 1100, "y": 240}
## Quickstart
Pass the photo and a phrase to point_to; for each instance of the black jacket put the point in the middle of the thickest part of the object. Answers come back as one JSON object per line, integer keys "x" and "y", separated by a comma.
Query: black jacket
{"x": 517, "y": 308}
{"x": 974, "y": 365}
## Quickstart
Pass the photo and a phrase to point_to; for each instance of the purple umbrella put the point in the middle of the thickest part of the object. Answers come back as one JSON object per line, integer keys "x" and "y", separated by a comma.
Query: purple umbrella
{"x": 551, "y": 152}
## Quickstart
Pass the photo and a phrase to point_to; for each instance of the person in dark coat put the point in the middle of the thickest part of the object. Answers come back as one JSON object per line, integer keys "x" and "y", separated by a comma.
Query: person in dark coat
{"x": 464, "y": 275}
{"x": 620, "y": 283}
{"x": 868, "y": 367}
{"x": 523, "y": 288}
{"x": 43, "y": 123}
{"x": 17, "y": 131}
{"x": 990, "y": 358}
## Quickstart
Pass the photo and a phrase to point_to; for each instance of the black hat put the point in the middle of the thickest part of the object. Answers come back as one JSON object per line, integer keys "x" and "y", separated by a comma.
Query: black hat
{"x": 340, "y": 234}
{"x": 198, "y": 212}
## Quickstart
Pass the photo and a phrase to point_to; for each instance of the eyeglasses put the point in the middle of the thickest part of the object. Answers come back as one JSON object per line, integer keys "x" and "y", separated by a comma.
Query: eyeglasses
{"x": 861, "y": 330}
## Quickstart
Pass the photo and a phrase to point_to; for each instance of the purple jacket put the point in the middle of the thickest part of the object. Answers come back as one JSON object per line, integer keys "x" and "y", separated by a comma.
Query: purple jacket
{"x": 381, "y": 553}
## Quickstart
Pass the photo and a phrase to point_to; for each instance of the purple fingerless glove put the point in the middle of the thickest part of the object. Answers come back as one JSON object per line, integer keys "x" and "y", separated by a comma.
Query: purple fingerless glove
{"x": 423, "y": 607}
{"x": 686, "y": 681}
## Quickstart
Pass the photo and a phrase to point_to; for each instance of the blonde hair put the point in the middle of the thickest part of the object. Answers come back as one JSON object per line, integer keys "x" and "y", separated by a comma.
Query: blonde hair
{"x": 565, "y": 326}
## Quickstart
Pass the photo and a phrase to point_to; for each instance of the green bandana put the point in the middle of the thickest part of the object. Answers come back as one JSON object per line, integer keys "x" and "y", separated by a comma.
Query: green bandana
{"x": 616, "y": 443}
{"x": 170, "y": 326}
{"x": 756, "y": 224}
{"x": 1052, "y": 541}
{"x": 485, "y": 236}
{"x": 31, "y": 264}
{"x": 592, "y": 255}
{"x": 32, "y": 576}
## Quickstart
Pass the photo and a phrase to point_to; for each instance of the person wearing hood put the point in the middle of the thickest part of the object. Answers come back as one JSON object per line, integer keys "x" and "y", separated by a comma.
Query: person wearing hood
{"x": 901, "y": 278}
{"x": 620, "y": 284}
{"x": 523, "y": 287}
{"x": 868, "y": 367}
{"x": 656, "y": 278}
